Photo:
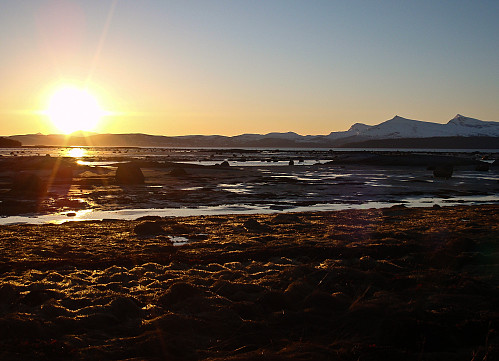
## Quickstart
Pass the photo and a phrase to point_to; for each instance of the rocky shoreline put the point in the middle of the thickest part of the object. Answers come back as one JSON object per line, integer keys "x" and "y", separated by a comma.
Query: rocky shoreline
{"x": 45, "y": 185}
{"x": 388, "y": 284}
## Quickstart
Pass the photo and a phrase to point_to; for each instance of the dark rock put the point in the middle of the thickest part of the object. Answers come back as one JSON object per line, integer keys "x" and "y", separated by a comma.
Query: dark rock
{"x": 149, "y": 218}
{"x": 398, "y": 207}
{"x": 461, "y": 245}
{"x": 443, "y": 171}
{"x": 298, "y": 291}
{"x": 129, "y": 173}
{"x": 225, "y": 164}
{"x": 286, "y": 218}
{"x": 28, "y": 185}
{"x": 254, "y": 225}
{"x": 273, "y": 301}
{"x": 8, "y": 293}
{"x": 291, "y": 162}
{"x": 178, "y": 172}
{"x": 237, "y": 291}
{"x": 148, "y": 228}
{"x": 37, "y": 297}
{"x": 482, "y": 167}
{"x": 125, "y": 307}
{"x": 178, "y": 292}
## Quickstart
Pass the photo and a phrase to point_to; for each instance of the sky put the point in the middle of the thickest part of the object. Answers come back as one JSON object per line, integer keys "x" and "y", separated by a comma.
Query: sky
{"x": 232, "y": 67}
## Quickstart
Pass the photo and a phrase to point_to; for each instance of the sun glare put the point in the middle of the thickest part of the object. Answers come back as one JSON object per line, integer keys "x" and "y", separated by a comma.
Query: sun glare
{"x": 72, "y": 109}
{"x": 76, "y": 152}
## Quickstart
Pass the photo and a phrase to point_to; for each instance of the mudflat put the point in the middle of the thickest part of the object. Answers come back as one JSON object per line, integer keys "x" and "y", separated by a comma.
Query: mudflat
{"x": 380, "y": 284}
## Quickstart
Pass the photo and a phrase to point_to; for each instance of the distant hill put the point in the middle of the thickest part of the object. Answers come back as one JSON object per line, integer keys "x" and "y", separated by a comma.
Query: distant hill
{"x": 430, "y": 143}
{"x": 9, "y": 143}
{"x": 398, "y": 132}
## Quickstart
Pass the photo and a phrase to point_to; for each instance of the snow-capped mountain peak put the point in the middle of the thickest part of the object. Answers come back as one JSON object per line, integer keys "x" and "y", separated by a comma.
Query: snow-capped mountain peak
{"x": 399, "y": 127}
{"x": 461, "y": 120}
{"x": 399, "y": 119}
{"x": 358, "y": 128}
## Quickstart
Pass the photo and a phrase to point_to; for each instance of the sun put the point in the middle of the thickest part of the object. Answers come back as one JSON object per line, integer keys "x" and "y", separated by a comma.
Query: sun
{"x": 72, "y": 109}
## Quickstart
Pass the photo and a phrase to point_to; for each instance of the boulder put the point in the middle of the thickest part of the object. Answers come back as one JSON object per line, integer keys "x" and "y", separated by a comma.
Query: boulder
{"x": 28, "y": 185}
{"x": 252, "y": 225}
{"x": 129, "y": 173}
{"x": 443, "y": 171}
{"x": 148, "y": 228}
{"x": 225, "y": 164}
{"x": 291, "y": 162}
{"x": 178, "y": 172}
{"x": 179, "y": 292}
{"x": 286, "y": 218}
{"x": 125, "y": 308}
{"x": 482, "y": 167}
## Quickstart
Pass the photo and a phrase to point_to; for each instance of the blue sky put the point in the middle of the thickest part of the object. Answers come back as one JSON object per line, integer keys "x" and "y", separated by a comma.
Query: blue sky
{"x": 232, "y": 67}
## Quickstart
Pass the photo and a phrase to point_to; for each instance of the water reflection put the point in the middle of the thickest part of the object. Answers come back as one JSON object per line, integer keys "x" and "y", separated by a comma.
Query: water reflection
{"x": 76, "y": 152}
{"x": 130, "y": 214}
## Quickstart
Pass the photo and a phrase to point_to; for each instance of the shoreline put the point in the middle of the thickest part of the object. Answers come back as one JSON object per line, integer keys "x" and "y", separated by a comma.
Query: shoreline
{"x": 131, "y": 214}
{"x": 50, "y": 185}
{"x": 392, "y": 283}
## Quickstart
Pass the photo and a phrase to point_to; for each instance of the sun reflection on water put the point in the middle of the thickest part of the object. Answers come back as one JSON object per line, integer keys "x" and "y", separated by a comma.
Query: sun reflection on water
{"x": 80, "y": 215}
{"x": 76, "y": 152}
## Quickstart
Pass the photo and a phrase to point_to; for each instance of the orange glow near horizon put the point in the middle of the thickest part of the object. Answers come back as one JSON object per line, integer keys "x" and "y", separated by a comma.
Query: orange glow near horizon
{"x": 72, "y": 109}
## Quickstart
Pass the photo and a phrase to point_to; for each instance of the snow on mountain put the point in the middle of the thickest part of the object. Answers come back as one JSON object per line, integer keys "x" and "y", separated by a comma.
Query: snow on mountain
{"x": 358, "y": 128}
{"x": 275, "y": 135}
{"x": 399, "y": 127}
{"x": 288, "y": 135}
{"x": 465, "y": 126}
{"x": 394, "y": 128}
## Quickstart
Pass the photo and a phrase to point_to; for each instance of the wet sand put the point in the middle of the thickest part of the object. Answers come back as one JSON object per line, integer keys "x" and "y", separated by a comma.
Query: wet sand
{"x": 388, "y": 284}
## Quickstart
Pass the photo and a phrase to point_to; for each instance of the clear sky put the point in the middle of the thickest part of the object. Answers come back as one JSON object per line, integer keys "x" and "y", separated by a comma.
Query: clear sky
{"x": 233, "y": 67}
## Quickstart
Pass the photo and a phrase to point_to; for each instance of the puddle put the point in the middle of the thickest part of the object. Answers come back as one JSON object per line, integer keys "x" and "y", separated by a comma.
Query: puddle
{"x": 131, "y": 214}
{"x": 239, "y": 188}
{"x": 179, "y": 241}
{"x": 191, "y": 188}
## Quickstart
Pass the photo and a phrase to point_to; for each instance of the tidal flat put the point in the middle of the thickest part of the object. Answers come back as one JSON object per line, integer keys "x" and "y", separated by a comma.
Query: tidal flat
{"x": 378, "y": 284}
{"x": 207, "y": 181}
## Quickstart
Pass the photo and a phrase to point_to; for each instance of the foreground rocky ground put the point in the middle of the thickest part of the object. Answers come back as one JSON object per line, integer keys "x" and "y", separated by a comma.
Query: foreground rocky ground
{"x": 391, "y": 284}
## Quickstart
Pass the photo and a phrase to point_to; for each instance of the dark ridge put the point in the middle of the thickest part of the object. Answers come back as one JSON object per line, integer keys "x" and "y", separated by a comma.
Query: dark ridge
{"x": 430, "y": 143}
{"x": 9, "y": 143}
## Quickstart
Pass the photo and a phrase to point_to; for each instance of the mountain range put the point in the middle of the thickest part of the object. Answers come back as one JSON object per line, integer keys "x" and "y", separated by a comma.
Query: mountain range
{"x": 459, "y": 132}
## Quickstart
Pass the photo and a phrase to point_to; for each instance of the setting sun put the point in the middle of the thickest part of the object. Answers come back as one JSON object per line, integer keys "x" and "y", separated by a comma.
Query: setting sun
{"x": 72, "y": 109}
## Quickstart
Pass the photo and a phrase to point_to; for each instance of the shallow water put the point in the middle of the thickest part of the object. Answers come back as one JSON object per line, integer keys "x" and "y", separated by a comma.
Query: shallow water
{"x": 131, "y": 214}
{"x": 261, "y": 183}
